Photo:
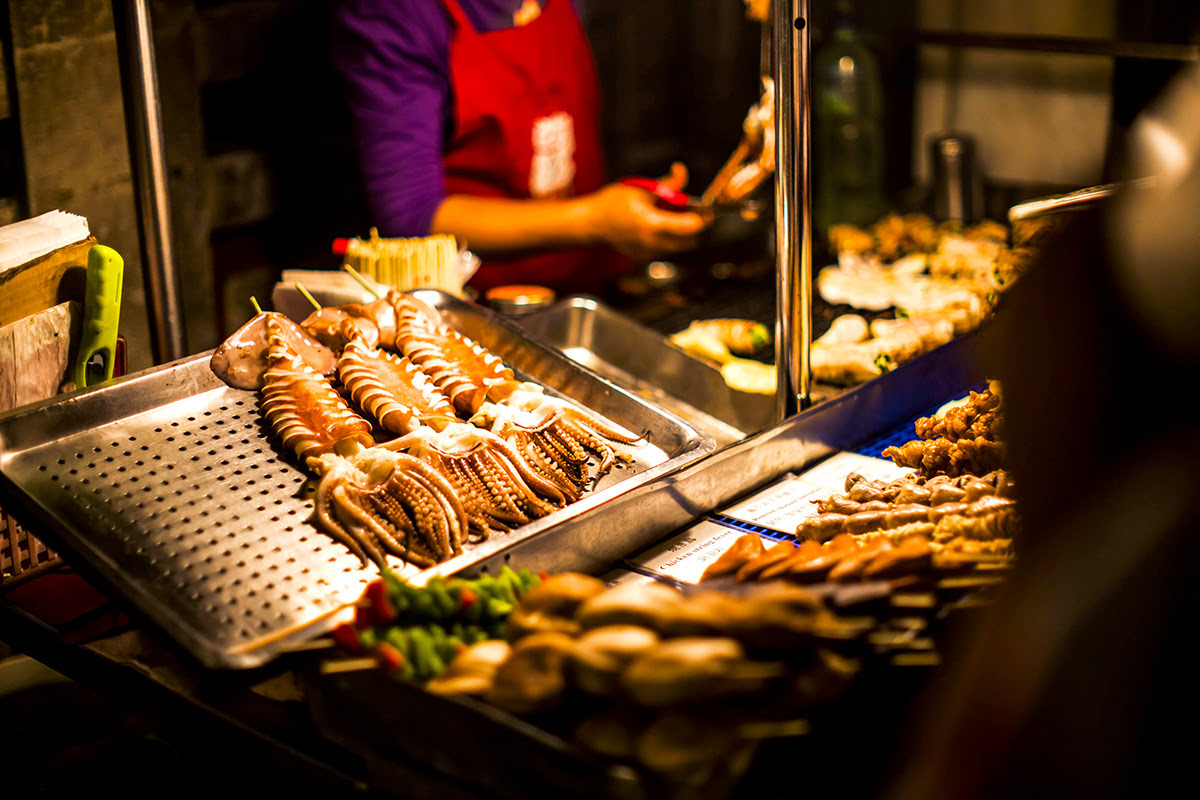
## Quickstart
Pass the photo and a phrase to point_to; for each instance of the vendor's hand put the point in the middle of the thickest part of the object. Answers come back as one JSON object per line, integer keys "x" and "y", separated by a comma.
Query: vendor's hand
{"x": 628, "y": 219}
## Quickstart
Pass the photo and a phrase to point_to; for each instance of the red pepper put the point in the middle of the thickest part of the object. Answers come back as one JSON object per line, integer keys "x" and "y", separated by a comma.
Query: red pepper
{"x": 543, "y": 575}
{"x": 384, "y": 611}
{"x": 347, "y": 637}
{"x": 392, "y": 658}
{"x": 362, "y": 617}
{"x": 468, "y": 598}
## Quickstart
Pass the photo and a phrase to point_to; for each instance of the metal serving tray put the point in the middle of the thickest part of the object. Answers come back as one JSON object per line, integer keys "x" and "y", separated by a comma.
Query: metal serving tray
{"x": 168, "y": 487}
{"x": 646, "y": 363}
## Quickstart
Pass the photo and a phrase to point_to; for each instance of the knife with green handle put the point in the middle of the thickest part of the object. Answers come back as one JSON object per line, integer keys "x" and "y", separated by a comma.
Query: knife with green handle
{"x": 101, "y": 315}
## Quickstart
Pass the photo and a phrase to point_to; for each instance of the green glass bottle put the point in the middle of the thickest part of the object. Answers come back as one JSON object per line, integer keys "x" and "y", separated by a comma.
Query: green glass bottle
{"x": 848, "y": 128}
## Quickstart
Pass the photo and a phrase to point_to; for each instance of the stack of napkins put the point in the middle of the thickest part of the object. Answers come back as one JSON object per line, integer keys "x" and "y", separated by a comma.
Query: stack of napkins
{"x": 30, "y": 239}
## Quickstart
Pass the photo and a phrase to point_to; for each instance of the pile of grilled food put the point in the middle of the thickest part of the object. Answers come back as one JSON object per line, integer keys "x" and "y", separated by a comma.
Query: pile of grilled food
{"x": 419, "y": 438}
{"x": 685, "y": 681}
{"x": 911, "y": 285}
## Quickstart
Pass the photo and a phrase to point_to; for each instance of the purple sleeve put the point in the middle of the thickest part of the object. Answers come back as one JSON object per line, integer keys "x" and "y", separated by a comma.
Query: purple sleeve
{"x": 394, "y": 56}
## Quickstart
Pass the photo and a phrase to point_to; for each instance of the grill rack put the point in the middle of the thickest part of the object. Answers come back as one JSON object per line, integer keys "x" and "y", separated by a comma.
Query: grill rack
{"x": 22, "y": 555}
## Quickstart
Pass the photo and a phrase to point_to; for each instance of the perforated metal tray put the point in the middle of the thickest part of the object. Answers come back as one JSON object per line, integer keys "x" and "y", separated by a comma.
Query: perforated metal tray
{"x": 168, "y": 486}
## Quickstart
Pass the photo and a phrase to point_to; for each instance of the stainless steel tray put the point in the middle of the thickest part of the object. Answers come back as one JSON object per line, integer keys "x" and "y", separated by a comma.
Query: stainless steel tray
{"x": 168, "y": 487}
{"x": 646, "y": 363}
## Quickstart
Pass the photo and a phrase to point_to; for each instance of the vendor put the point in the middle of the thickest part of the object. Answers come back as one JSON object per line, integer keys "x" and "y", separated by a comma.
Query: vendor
{"x": 480, "y": 118}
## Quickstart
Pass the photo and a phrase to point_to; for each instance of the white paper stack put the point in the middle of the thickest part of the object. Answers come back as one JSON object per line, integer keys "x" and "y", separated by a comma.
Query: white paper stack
{"x": 30, "y": 239}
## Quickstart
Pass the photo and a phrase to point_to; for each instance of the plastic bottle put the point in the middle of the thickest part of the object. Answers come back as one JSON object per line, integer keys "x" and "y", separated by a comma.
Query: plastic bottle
{"x": 848, "y": 128}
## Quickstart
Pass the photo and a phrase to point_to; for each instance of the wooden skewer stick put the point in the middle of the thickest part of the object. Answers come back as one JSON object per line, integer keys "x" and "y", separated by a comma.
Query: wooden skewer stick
{"x": 774, "y": 730}
{"x": 300, "y": 288}
{"x": 361, "y": 280}
{"x": 348, "y": 665}
{"x": 324, "y": 643}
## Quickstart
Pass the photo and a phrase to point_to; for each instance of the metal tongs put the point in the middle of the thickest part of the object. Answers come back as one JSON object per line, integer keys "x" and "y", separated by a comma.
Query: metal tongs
{"x": 1081, "y": 198}
{"x": 675, "y": 200}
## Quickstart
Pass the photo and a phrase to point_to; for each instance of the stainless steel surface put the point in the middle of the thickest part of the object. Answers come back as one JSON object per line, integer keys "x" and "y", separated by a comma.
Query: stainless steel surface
{"x": 168, "y": 487}
{"x": 595, "y": 541}
{"x": 149, "y": 164}
{"x": 793, "y": 205}
{"x": 647, "y": 364}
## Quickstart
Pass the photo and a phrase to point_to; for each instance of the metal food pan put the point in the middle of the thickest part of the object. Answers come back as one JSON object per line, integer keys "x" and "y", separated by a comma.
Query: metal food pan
{"x": 168, "y": 486}
{"x": 645, "y": 362}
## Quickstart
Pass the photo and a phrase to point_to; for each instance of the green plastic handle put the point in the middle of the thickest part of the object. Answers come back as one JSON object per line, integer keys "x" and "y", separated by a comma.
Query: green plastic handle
{"x": 101, "y": 315}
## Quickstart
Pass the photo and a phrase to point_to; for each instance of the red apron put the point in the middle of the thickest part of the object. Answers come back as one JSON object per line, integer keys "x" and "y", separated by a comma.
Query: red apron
{"x": 526, "y": 124}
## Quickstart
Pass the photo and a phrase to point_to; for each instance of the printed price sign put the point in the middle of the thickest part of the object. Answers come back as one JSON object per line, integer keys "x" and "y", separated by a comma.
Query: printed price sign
{"x": 685, "y": 556}
{"x": 782, "y": 505}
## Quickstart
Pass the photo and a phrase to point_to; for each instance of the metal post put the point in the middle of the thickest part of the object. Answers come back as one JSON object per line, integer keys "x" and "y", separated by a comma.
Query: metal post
{"x": 147, "y": 157}
{"x": 793, "y": 206}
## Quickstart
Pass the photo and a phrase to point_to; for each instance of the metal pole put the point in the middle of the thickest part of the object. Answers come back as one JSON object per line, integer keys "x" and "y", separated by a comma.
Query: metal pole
{"x": 147, "y": 157}
{"x": 793, "y": 206}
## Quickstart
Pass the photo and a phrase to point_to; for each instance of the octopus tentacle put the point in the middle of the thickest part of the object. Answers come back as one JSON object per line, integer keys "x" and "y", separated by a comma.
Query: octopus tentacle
{"x": 499, "y": 488}
{"x": 433, "y": 525}
{"x": 499, "y": 492}
{"x": 525, "y": 496}
{"x": 379, "y": 500}
{"x": 586, "y": 440}
{"x": 352, "y": 508}
{"x": 555, "y": 489}
{"x": 483, "y": 523}
{"x": 554, "y": 434}
{"x": 327, "y": 496}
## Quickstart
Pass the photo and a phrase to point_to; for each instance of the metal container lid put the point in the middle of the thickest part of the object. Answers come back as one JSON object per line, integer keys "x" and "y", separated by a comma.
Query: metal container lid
{"x": 518, "y": 299}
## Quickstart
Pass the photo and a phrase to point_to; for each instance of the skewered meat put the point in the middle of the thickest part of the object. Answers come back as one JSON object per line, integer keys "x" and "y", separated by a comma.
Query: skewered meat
{"x": 825, "y": 526}
{"x": 551, "y": 606}
{"x": 719, "y": 340}
{"x": 866, "y": 495}
{"x": 689, "y": 745}
{"x": 612, "y": 733}
{"x": 742, "y": 550}
{"x": 533, "y": 678}
{"x": 601, "y": 655}
{"x": 473, "y": 670}
{"x": 648, "y": 605}
{"x": 980, "y": 416}
{"x": 944, "y": 457}
{"x": 691, "y": 670}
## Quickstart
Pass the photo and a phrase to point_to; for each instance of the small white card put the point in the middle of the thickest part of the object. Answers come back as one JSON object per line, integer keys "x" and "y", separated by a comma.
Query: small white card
{"x": 686, "y": 555}
{"x": 782, "y": 505}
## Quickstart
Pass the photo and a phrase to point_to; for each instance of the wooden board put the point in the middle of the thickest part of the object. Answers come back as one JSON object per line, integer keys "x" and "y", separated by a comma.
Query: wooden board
{"x": 36, "y": 354}
{"x": 44, "y": 282}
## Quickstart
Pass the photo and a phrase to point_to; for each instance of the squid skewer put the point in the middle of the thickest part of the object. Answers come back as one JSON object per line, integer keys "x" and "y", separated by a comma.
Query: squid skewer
{"x": 497, "y": 488}
{"x": 372, "y": 500}
{"x": 555, "y": 437}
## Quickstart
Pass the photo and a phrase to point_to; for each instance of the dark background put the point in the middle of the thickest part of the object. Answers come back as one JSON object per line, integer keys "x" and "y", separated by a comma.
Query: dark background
{"x": 263, "y": 174}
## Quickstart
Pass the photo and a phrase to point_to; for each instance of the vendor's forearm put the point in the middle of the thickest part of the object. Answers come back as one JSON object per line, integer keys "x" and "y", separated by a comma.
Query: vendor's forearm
{"x": 493, "y": 223}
